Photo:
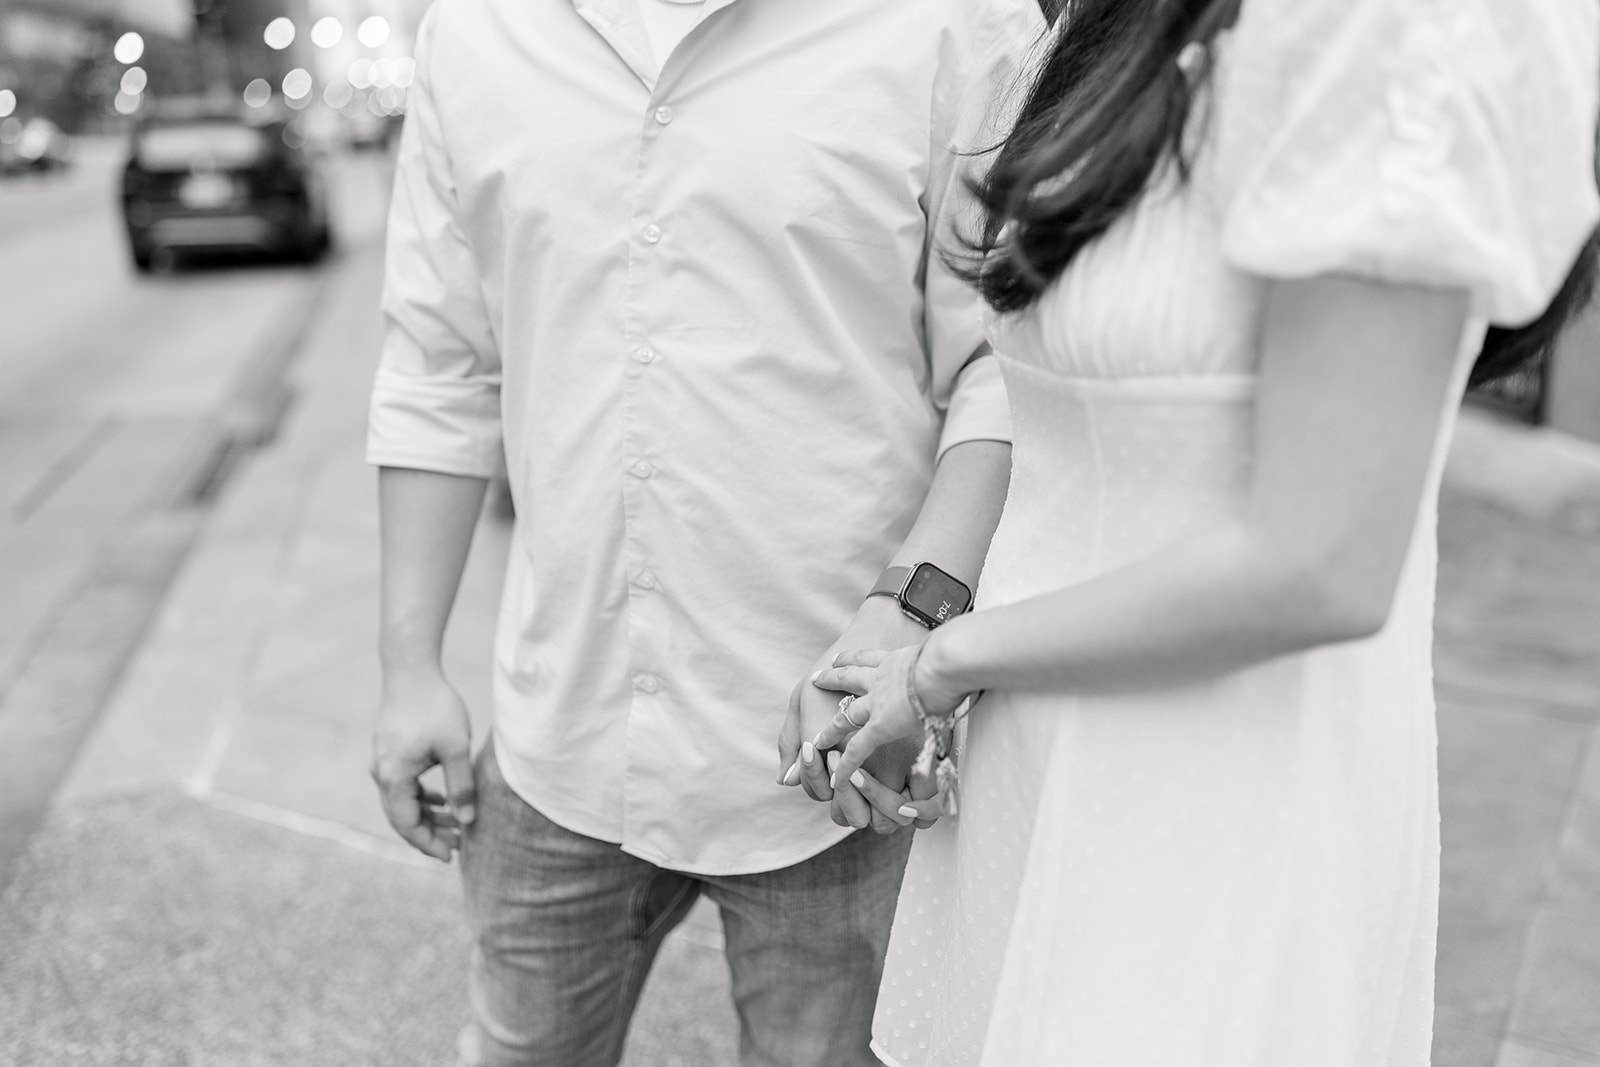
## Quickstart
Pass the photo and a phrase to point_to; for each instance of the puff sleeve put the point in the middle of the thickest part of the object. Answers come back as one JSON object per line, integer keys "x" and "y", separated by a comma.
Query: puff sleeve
{"x": 1435, "y": 142}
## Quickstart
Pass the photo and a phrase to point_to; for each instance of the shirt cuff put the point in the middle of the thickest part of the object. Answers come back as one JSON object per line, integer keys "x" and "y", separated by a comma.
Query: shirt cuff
{"x": 978, "y": 407}
{"x": 450, "y": 426}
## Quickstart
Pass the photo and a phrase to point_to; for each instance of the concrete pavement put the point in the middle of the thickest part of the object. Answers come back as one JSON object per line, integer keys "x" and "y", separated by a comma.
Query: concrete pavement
{"x": 215, "y": 883}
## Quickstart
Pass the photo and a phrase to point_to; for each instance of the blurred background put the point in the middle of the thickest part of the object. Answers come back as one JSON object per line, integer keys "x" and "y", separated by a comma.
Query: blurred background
{"x": 193, "y": 865}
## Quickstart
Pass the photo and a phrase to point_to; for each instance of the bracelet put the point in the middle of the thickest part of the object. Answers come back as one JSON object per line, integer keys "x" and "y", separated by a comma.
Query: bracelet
{"x": 938, "y": 742}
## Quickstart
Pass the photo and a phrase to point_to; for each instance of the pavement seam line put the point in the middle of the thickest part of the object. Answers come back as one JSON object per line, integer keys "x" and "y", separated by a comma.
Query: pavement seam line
{"x": 311, "y": 826}
{"x": 204, "y": 777}
{"x": 56, "y": 475}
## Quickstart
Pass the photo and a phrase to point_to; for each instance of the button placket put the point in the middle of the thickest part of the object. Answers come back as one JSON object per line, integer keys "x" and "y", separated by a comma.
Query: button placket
{"x": 647, "y": 609}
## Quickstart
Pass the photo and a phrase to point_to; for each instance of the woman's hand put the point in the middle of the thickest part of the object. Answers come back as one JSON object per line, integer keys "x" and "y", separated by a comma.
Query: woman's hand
{"x": 882, "y": 712}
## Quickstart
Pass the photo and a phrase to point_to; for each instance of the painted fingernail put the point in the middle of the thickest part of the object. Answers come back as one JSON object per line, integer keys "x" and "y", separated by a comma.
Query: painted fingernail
{"x": 815, "y": 676}
{"x": 858, "y": 780}
{"x": 792, "y": 775}
{"x": 907, "y": 811}
{"x": 833, "y": 781}
{"x": 808, "y": 752}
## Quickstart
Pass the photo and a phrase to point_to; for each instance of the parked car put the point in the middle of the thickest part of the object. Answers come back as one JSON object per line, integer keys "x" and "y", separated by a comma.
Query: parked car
{"x": 35, "y": 145}
{"x": 203, "y": 179}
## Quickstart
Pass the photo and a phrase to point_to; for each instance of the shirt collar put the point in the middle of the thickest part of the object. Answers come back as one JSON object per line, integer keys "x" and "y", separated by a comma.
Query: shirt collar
{"x": 618, "y": 22}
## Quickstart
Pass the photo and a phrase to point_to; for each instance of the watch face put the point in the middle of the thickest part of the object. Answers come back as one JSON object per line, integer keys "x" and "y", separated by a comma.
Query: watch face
{"x": 935, "y": 595}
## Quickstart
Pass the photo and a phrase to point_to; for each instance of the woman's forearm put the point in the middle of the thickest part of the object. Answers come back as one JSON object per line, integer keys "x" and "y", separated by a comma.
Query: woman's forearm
{"x": 1218, "y": 603}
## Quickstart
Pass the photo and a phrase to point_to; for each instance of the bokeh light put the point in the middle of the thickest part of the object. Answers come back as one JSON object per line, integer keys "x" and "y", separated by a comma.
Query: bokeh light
{"x": 361, "y": 73}
{"x": 338, "y": 94}
{"x": 327, "y": 32}
{"x": 129, "y": 47}
{"x": 279, "y": 34}
{"x": 297, "y": 83}
{"x": 405, "y": 71}
{"x": 127, "y": 103}
{"x": 373, "y": 31}
{"x": 383, "y": 73}
{"x": 8, "y": 102}
{"x": 258, "y": 92}
{"x": 134, "y": 80}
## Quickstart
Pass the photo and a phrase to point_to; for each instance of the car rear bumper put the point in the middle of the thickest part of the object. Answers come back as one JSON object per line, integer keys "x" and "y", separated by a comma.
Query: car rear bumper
{"x": 271, "y": 226}
{"x": 216, "y": 231}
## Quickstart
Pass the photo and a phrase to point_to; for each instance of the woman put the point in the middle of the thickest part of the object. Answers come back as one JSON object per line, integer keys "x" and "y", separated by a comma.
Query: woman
{"x": 1244, "y": 257}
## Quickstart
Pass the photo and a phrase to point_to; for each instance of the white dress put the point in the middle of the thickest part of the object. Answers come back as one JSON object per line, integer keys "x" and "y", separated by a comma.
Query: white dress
{"x": 1240, "y": 873}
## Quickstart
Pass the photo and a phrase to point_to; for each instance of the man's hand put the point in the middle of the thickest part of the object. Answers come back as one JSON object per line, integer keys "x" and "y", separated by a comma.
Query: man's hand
{"x": 422, "y": 723}
{"x": 878, "y": 624}
{"x": 889, "y": 783}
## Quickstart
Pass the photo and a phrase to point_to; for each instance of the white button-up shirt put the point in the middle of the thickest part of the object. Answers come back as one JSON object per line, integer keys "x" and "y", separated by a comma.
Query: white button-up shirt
{"x": 701, "y": 305}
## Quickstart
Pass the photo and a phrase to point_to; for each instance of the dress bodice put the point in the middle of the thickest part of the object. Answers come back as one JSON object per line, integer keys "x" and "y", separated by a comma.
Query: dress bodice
{"x": 1152, "y": 298}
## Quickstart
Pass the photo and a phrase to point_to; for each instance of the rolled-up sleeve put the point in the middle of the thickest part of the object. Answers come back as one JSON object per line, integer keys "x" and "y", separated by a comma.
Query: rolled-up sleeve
{"x": 977, "y": 93}
{"x": 436, "y": 397}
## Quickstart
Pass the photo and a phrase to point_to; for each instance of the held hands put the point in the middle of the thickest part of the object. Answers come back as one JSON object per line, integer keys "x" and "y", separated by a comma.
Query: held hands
{"x": 887, "y": 688}
{"x": 886, "y": 784}
{"x": 422, "y": 723}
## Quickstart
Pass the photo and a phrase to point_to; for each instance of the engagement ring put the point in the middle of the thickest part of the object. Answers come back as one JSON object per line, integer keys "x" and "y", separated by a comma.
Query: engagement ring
{"x": 844, "y": 709}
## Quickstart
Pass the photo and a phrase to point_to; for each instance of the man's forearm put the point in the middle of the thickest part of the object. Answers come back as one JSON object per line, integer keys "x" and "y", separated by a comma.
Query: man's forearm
{"x": 961, "y": 510}
{"x": 427, "y": 524}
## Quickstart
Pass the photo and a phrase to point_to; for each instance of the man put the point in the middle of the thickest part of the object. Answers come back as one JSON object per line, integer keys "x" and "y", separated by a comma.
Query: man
{"x": 681, "y": 258}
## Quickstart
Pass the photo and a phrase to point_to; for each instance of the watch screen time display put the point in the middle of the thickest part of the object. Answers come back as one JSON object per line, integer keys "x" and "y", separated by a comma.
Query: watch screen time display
{"x": 935, "y": 594}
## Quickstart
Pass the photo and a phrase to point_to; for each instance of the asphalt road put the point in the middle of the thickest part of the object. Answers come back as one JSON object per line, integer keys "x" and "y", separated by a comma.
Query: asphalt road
{"x": 124, "y": 399}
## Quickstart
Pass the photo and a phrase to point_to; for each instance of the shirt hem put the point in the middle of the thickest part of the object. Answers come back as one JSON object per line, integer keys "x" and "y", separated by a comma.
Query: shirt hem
{"x": 592, "y": 825}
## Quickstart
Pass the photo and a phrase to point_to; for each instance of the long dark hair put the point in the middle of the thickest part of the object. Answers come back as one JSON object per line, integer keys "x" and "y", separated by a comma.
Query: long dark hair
{"x": 1107, "y": 112}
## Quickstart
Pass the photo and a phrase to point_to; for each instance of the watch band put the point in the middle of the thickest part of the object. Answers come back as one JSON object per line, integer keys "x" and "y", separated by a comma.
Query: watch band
{"x": 892, "y": 582}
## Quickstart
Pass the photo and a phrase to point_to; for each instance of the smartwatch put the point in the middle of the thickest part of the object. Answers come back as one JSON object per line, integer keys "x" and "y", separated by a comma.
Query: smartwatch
{"x": 925, "y": 593}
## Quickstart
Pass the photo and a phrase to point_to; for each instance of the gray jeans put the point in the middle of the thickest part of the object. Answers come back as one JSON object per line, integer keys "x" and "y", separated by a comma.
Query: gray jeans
{"x": 566, "y": 927}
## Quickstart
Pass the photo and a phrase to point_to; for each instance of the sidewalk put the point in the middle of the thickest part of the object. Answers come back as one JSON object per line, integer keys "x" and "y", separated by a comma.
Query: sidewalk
{"x": 216, "y": 884}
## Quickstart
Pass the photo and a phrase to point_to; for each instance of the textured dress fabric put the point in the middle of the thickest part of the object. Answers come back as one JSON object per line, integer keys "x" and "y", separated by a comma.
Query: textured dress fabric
{"x": 1241, "y": 872}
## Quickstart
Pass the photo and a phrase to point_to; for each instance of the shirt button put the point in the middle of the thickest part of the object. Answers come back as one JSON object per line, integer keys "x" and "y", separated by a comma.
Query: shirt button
{"x": 647, "y": 683}
{"x": 646, "y": 580}
{"x": 663, "y": 115}
{"x": 643, "y": 468}
{"x": 644, "y": 354}
{"x": 652, "y": 233}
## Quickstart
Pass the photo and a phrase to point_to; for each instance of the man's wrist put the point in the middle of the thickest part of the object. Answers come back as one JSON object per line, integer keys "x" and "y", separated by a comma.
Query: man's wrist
{"x": 400, "y": 659}
{"x": 885, "y": 612}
